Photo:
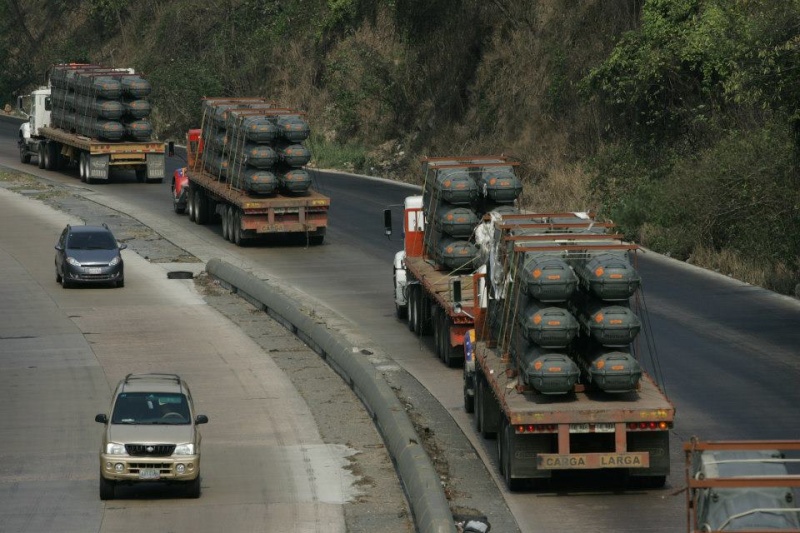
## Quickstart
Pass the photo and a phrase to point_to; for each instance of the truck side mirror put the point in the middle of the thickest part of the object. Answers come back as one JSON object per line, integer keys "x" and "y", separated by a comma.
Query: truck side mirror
{"x": 19, "y": 103}
{"x": 171, "y": 148}
{"x": 387, "y": 222}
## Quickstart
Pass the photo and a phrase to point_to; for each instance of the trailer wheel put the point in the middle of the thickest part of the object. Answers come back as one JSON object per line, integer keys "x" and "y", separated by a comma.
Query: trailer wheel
{"x": 24, "y": 155}
{"x": 425, "y": 308}
{"x": 504, "y": 446}
{"x": 141, "y": 175}
{"x": 82, "y": 166}
{"x": 41, "y": 154}
{"x": 478, "y": 418}
{"x": 225, "y": 222}
{"x": 238, "y": 239}
{"x": 437, "y": 334}
{"x": 481, "y": 398}
{"x": 469, "y": 399}
{"x": 318, "y": 237}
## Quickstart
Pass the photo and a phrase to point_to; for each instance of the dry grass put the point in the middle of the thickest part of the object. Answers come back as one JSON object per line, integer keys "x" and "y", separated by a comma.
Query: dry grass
{"x": 779, "y": 279}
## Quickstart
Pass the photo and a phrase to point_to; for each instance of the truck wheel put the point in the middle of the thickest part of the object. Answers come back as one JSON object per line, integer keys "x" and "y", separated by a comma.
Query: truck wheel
{"x": 469, "y": 399}
{"x": 317, "y": 238}
{"x": 82, "y": 166}
{"x": 478, "y": 418}
{"x": 226, "y": 222}
{"x": 413, "y": 308}
{"x": 238, "y": 238}
{"x": 425, "y": 309}
{"x": 53, "y": 156}
{"x": 505, "y": 445}
{"x": 41, "y": 154}
{"x": 24, "y": 154}
{"x": 106, "y": 489}
{"x": 200, "y": 207}
{"x": 437, "y": 333}
{"x": 190, "y": 202}
{"x": 141, "y": 175}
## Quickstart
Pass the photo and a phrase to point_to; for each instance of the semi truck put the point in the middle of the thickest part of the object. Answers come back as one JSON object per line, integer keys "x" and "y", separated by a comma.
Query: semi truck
{"x": 250, "y": 201}
{"x": 424, "y": 280}
{"x": 56, "y": 145}
{"x": 742, "y": 485}
{"x": 546, "y": 311}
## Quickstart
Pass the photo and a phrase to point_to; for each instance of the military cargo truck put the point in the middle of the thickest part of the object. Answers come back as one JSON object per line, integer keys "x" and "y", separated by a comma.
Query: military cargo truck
{"x": 94, "y": 118}
{"x": 246, "y": 165}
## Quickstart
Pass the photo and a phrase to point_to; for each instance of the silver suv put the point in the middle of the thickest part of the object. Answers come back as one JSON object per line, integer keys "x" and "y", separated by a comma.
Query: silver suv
{"x": 152, "y": 435}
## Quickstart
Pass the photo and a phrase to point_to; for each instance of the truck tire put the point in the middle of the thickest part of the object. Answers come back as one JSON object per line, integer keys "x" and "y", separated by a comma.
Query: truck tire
{"x": 482, "y": 404}
{"x": 437, "y": 332}
{"x": 141, "y": 175}
{"x": 41, "y": 154}
{"x": 505, "y": 444}
{"x": 190, "y": 202}
{"x": 238, "y": 238}
{"x": 469, "y": 399}
{"x": 424, "y": 314}
{"x": 53, "y": 156}
{"x": 226, "y": 222}
{"x": 412, "y": 307}
{"x": 200, "y": 207}
{"x": 477, "y": 419}
{"x": 82, "y": 166}
{"x": 24, "y": 154}
{"x": 318, "y": 237}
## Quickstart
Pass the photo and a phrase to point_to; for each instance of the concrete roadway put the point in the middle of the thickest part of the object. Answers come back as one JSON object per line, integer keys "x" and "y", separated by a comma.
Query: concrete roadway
{"x": 61, "y": 353}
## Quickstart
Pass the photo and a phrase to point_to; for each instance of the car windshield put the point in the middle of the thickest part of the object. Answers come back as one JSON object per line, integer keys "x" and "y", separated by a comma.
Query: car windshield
{"x": 91, "y": 241}
{"x": 151, "y": 408}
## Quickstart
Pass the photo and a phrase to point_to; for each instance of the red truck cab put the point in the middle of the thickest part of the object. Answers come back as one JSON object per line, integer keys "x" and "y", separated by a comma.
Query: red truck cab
{"x": 194, "y": 148}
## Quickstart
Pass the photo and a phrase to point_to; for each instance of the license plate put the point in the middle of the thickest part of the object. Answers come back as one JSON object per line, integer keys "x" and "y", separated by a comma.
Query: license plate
{"x": 600, "y": 427}
{"x": 149, "y": 473}
{"x": 95, "y": 270}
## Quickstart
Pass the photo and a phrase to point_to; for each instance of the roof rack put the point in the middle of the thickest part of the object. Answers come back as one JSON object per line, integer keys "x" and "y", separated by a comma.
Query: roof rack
{"x": 154, "y": 375}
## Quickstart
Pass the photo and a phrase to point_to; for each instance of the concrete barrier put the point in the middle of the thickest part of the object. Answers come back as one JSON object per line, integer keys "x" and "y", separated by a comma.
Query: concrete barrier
{"x": 417, "y": 474}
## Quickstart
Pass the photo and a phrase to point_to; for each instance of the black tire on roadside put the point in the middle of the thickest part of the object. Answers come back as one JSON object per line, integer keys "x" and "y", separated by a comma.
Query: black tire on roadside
{"x": 190, "y": 203}
{"x": 42, "y": 151}
{"x": 200, "y": 207}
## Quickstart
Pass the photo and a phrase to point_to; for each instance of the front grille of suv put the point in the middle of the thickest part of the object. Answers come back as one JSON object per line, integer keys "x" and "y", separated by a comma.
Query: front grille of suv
{"x": 150, "y": 450}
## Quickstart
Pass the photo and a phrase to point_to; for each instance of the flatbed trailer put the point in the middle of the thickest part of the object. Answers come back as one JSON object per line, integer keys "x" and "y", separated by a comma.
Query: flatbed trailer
{"x": 246, "y": 216}
{"x": 56, "y": 148}
{"x": 436, "y": 304}
{"x": 96, "y": 158}
{"x": 538, "y": 434}
{"x": 747, "y": 486}
{"x": 586, "y": 428}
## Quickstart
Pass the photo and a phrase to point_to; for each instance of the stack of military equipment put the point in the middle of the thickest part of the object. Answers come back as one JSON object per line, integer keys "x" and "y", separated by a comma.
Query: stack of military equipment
{"x": 256, "y": 145}
{"x": 569, "y": 304}
{"x": 457, "y": 193}
{"x": 103, "y": 103}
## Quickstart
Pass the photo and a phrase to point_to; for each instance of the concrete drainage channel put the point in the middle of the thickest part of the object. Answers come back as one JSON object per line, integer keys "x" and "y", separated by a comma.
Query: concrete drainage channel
{"x": 417, "y": 474}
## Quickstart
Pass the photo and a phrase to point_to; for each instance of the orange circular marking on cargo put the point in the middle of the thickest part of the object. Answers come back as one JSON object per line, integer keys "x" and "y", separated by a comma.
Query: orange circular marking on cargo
{"x": 536, "y": 273}
{"x": 599, "y": 271}
{"x": 600, "y": 364}
{"x": 598, "y": 317}
{"x": 537, "y": 365}
{"x": 537, "y": 319}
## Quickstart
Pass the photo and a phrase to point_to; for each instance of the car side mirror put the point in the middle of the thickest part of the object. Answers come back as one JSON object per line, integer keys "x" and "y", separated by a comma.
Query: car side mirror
{"x": 102, "y": 418}
{"x": 123, "y": 246}
{"x": 201, "y": 419}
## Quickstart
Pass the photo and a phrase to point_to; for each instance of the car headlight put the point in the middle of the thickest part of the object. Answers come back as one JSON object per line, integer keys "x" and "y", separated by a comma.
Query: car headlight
{"x": 184, "y": 449}
{"x": 114, "y": 261}
{"x": 114, "y": 448}
{"x": 74, "y": 262}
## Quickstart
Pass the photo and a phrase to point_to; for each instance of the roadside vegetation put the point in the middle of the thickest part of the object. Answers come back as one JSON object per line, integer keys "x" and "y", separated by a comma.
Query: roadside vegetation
{"x": 677, "y": 119}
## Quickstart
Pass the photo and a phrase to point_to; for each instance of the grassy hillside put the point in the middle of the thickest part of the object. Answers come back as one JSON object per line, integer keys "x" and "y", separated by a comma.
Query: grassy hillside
{"x": 678, "y": 119}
